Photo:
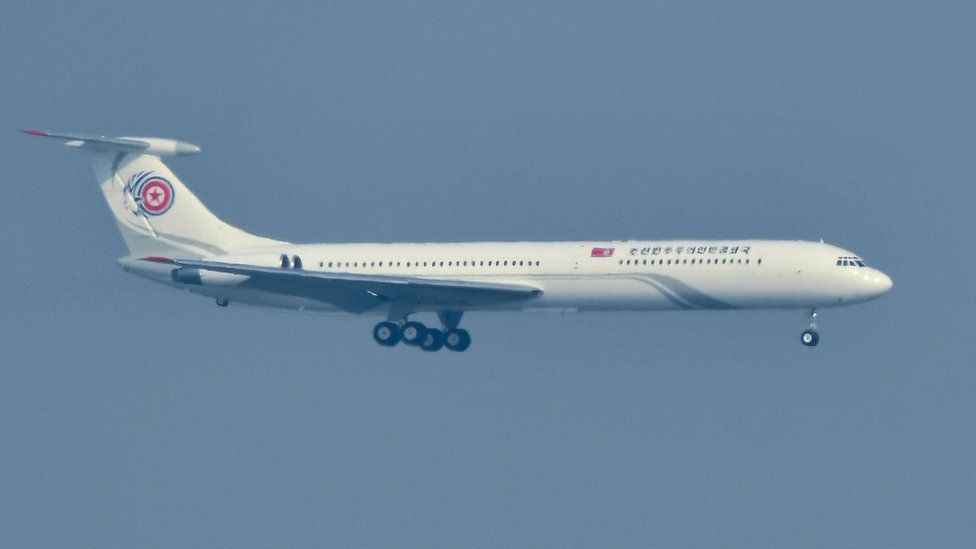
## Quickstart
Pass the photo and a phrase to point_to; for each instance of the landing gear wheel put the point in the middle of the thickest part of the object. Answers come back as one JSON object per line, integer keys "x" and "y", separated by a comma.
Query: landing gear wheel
{"x": 457, "y": 340}
{"x": 810, "y": 338}
{"x": 433, "y": 340}
{"x": 221, "y": 302}
{"x": 386, "y": 334}
{"x": 412, "y": 333}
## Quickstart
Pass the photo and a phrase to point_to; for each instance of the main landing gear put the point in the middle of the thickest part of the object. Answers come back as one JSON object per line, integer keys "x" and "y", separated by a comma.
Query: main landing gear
{"x": 414, "y": 333}
{"x": 810, "y": 337}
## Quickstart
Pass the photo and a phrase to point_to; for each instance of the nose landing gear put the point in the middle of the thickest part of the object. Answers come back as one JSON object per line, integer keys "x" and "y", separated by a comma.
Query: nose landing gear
{"x": 810, "y": 337}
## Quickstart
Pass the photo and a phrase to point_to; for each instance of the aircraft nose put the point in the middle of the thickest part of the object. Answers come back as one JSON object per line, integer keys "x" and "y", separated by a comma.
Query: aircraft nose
{"x": 878, "y": 282}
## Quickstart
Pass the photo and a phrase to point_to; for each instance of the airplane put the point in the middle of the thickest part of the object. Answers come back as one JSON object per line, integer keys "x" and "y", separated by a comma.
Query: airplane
{"x": 173, "y": 239}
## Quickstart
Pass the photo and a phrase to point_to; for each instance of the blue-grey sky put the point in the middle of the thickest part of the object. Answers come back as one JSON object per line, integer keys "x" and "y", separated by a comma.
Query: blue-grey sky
{"x": 132, "y": 415}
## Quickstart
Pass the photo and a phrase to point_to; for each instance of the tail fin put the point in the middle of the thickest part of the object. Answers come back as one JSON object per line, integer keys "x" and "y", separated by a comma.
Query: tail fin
{"x": 156, "y": 213}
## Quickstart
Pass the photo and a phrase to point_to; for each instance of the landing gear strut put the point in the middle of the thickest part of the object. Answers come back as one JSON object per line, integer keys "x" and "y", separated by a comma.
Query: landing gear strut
{"x": 810, "y": 337}
{"x": 415, "y": 333}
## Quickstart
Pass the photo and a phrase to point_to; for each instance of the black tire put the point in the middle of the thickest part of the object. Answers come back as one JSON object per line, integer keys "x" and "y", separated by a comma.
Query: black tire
{"x": 386, "y": 334}
{"x": 412, "y": 333}
{"x": 810, "y": 338}
{"x": 433, "y": 340}
{"x": 457, "y": 340}
{"x": 221, "y": 302}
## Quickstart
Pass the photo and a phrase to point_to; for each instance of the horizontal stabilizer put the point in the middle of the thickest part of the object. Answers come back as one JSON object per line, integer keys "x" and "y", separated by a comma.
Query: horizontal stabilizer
{"x": 155, "y": 146}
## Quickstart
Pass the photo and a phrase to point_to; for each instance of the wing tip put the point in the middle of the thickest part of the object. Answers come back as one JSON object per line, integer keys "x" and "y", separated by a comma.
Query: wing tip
{"x": 40, "y": 133}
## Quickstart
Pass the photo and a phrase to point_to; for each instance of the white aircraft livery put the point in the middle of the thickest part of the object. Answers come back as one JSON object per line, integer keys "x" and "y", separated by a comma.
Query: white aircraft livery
{"x": 175, "y": 240}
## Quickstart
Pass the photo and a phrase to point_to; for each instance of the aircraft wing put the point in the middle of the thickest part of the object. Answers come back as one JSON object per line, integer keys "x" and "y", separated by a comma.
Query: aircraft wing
{"x": 358, "y": 293}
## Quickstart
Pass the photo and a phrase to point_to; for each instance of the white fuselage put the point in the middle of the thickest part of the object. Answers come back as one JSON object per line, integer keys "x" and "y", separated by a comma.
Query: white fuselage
{"x": 580, "y": 276}
{"x": 173, "y": 238}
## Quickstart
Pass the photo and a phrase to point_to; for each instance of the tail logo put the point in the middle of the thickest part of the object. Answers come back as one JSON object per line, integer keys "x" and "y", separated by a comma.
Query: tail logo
{"x": 152, "y": 194}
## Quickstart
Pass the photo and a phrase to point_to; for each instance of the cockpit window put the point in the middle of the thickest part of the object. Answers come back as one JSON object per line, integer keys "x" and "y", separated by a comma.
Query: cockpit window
{"x": 850, "y": 261}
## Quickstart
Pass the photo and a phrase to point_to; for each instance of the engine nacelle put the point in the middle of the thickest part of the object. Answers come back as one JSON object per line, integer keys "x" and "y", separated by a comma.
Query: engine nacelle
{"x": 203, "y": 277}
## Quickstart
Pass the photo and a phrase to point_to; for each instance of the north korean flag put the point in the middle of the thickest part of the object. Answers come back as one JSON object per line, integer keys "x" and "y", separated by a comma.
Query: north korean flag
{"x": 602, "y": 252}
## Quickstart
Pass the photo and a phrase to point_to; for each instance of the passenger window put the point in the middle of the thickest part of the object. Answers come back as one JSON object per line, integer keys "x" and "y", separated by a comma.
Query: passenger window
{"x": 285, "y": 262}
